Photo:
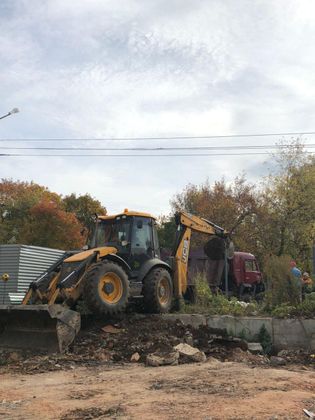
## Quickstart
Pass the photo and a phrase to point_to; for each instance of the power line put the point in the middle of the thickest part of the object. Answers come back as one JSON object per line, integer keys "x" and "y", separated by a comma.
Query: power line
{"x": 157, "y": 149}
{"x": 205, "y": 137}
{"x": 136, "y": 155}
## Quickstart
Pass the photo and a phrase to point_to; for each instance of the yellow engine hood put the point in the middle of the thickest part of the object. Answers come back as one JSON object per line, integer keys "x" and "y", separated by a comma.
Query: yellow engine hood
{"x": 102, "y": 251}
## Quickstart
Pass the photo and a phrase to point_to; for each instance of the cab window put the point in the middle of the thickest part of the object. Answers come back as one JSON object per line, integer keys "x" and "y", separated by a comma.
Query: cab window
{"x": 250, "y": 265}
{"x": 141, "y": 234}
{"x": 113, "y": 232}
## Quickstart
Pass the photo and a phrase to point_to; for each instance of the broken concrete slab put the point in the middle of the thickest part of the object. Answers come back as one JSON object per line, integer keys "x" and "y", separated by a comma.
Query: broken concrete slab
{"x": 190, "y": 353}
{"x": 255, "y": 348}
{"x": 277, "y": 361}
{"x": 162, "y": 359}
{"x": 135, "y": 357}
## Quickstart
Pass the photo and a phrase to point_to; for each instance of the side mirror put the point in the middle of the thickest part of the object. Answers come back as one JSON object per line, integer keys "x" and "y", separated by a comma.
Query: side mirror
{"x": 230, "y": 250}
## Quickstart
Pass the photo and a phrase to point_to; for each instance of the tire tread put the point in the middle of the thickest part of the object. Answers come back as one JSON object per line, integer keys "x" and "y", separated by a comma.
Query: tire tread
{"x": 91, "y": 291}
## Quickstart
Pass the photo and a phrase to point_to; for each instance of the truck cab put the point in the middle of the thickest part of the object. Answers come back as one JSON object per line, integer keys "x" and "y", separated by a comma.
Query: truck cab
{"x": 245, "y": 274}
{"x": 244, "y": 277}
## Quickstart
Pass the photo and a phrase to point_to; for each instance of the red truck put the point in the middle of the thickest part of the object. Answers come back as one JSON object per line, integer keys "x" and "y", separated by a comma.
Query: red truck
{"x": 244, "y": 277}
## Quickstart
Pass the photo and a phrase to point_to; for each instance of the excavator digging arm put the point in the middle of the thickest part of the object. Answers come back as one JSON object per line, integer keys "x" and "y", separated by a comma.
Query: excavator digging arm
{"x": 54, "y": 282}
{"x": 186, "y": 224}
{"x": 46, "y": 283}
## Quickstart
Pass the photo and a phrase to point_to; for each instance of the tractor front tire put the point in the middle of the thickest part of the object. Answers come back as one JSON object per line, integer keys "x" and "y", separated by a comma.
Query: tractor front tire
{"x": 106, "y": 288}
{"x": 158, "y": 291}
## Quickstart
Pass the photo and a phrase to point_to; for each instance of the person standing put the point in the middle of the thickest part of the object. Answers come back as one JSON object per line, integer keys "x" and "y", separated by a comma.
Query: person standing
{"x": 297, "y": 274}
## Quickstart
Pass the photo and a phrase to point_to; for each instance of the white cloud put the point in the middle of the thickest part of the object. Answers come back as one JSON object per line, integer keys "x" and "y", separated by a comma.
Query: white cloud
{"x": 99, "y": 68}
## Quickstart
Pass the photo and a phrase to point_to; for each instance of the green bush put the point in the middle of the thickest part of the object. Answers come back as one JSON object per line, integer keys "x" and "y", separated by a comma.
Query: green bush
{"x": 283, "y": 311}
{"x": 278, "y": 303}
{"x": 282, "y": 286}
{"x": 306, "y": 309}
{"x": 203, "y": 292}
{"x": 211, "y": 304}
{"x": 310, "y": 296}
{"x": 265, "y": 339}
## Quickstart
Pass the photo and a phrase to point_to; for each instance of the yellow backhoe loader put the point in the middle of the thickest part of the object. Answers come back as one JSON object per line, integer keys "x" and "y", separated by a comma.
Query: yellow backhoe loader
{"x": 122, "y": 262}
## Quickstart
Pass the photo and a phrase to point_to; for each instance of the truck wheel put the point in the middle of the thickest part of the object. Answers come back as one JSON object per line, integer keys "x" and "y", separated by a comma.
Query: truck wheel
{"x": 106, "y": 289}
{"x": 158, "y": 291}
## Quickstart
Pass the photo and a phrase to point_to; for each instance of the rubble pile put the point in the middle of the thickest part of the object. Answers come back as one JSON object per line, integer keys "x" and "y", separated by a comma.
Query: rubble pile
{"x": 138, "y": 338}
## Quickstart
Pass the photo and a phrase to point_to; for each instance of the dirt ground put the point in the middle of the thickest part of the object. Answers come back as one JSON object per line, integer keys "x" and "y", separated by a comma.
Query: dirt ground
{"x": 210, "y": 390}
{"x": 95, "y": 378}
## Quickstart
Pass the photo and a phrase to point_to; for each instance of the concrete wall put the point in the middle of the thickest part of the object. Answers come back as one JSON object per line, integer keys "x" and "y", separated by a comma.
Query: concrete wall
{"x": 285, "y": 333}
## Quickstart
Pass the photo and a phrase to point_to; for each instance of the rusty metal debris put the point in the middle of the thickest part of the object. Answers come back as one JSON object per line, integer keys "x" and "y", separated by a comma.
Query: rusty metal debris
{"x": 309, "y": 414}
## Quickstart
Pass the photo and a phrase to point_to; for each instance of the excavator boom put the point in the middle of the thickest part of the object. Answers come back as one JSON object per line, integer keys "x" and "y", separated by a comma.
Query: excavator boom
{"x": 186, "y": 224}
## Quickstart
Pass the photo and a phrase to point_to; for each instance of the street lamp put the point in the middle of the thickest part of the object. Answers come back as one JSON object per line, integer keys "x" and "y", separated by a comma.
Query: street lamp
{"x": 13, "y": 111}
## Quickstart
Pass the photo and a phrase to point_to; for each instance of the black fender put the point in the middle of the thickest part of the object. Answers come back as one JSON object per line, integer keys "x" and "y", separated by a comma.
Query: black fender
{"x": 149, "y": 265}
{"x": 115, "y": 258}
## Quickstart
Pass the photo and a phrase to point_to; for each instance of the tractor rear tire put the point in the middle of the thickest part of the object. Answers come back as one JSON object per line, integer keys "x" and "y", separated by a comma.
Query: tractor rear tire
{"x": 158, "y": 291}
{"x": 106, "y": 288}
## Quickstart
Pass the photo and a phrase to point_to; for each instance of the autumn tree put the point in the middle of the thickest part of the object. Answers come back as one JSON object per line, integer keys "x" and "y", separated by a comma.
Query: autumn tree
{"x": 16, "y": 200}
{"x": 31, "y": 214}
{"x": 231, "y": 206}
{"x": 166, "y": 228}
{"x": 274, "y": 218}
{"x": 84, "y": 207}
{"x": 287, "y": 225}
{"x": 53, "y": 227}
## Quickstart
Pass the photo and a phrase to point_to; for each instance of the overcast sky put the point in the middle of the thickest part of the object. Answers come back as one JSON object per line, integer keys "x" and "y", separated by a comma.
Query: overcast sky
{"x": 127, "y": 68}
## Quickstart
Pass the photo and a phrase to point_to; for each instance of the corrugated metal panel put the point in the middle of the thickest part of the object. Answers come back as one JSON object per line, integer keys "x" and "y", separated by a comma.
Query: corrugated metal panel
{"x": 24, "y": 264}
{"x": 9, "y": 263}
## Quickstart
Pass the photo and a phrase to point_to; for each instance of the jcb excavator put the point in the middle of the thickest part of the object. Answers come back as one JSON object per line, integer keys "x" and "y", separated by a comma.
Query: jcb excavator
{"x": 123, "y": 261}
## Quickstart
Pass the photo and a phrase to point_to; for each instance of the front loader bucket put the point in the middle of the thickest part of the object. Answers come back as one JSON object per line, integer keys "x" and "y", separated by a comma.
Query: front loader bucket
{"x": 50, "y": 328}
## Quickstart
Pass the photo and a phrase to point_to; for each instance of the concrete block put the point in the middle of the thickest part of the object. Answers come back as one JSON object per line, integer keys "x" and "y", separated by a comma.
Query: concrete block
{"x": 309, "y": 326}
{"x": 285, "y": 333}
{"x": 294, "y": 334}
{"x": 195, "y": 320}
{"x": 255, "y": 348}
{"x": 249, "y": 327}
{"x": 245, "y": 327}
{"x": 222, "y": 322}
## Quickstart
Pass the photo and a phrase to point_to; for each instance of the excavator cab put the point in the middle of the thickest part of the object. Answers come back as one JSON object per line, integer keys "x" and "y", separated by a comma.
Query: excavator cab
{"x": 134, "y": 236}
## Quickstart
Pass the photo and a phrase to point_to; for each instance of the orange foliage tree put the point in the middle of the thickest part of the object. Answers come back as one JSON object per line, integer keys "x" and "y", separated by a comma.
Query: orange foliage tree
{"x": 31, "y": 214}
{"x": 232, "y": 206}
{"x": 54, "y": 228}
